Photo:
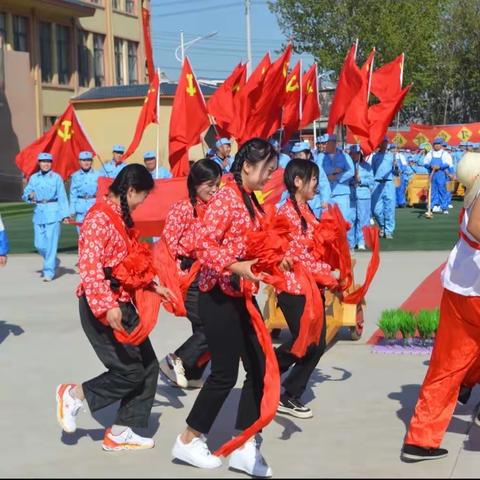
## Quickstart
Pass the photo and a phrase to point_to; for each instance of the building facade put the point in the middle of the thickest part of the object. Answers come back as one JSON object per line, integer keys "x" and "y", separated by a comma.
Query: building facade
{"x": 53, "y": 50}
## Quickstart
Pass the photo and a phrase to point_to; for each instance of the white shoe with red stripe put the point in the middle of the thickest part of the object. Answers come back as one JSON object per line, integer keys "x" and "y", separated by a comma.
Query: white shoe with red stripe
{"x": 127, "y": 440}
{"x": 67, "y": 407}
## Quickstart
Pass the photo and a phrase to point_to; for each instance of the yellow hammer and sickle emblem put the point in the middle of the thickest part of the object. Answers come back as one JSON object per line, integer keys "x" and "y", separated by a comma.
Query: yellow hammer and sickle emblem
{"x": 285, "y": 69}
{"x": 191, "y": 90}
{"x": 66, "y": 133}
{"x": 309, "y": 87}
{"x": 292, "y": 84}
{"x": 236, "y": 87}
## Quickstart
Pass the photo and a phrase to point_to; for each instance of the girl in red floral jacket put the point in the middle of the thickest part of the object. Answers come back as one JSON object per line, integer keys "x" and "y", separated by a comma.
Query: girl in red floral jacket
{"x": 301, "y": 180}
{"x": 182, "y": 226}
{"x": 108, "y": 313}
{"x": 221, "y": 250}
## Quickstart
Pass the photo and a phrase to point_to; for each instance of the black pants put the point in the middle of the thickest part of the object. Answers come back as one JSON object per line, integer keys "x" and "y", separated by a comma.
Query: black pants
{"x": 230, "y": 337}
{"x": 131, "y": 377}
{"x": 292, "y": 307}
{"x": 196, "y": 345}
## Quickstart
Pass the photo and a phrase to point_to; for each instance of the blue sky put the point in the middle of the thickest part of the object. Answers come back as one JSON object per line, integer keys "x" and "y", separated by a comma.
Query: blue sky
{"x": 217, "y": 56}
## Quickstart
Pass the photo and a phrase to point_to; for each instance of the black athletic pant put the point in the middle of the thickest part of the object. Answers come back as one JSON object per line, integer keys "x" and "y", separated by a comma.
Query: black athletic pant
{"x": 196, "y": 345}
{"x": 230, "y": 337}
{"x": 292, "y": 307}
{"x": 131, "y": 377}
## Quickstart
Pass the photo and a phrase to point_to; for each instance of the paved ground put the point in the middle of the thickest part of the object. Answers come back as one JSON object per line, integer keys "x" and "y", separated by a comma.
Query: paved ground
{"x": 361, "y": 401}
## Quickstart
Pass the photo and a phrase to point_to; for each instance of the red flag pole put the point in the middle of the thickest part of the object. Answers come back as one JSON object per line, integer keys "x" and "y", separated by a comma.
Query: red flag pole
{"x": 401, "y": 83}
{"x": 157, "y": 151}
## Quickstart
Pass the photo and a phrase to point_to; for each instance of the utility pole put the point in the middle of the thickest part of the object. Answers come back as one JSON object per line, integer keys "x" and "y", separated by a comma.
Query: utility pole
{"x": 249, "y": 37}
{"x": 182, "y": 48}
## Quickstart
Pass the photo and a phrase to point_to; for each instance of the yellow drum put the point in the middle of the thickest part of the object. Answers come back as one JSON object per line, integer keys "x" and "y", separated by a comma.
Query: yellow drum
{"x": 417, "y": 189}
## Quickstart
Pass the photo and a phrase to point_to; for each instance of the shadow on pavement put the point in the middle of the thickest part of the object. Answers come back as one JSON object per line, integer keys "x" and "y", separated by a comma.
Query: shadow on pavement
{"x": 170, "y": 392}
{"x": 9, "y": 328}
{"x": 318, "y": 378}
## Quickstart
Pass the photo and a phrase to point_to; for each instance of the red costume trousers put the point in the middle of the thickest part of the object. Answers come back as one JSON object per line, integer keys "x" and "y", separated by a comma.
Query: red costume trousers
{"x": 456, "y": 350}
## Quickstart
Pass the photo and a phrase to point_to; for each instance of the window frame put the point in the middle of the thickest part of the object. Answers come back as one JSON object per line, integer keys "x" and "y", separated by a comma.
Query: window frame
{"x": 17, "y": 34}
{"x": 68, "y": 50}
{"x": 135, "y": 69}
{"x": 83, "y": 64}
{"x": 119, "y": 60}
{"x": 99, "y": 80}
{"x": 44, "y": 63}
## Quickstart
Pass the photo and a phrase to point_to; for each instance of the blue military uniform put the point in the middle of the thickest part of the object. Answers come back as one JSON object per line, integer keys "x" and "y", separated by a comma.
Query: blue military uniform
{"x": 220, "y": 160}
{"x": 112, "y": 169}
{"x": 162, "y": 171}
{"x": 340, "y": 187}
{"x": 383, "y": 196}
{"x": 440, "y": 198}
{"x": 363, "y": 185}
{"x": 4, "y": 246}
{"x": 51, "y": 207}
{"x": 83, "y": 189}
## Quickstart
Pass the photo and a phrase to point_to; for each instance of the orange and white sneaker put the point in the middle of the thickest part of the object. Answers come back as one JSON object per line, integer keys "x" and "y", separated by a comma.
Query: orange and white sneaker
{"x": 127, "y": 440}
{"x": 67, "y": 407}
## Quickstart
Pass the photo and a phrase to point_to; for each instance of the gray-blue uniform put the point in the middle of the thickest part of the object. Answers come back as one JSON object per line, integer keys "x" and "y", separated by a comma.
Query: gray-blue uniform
{"x": 162, "y": 171}
{"x": 83, "y": 189}
{"x": 51, "y": 207}
{"x": 112, "y": 169}
{"x": 216, "y": 158}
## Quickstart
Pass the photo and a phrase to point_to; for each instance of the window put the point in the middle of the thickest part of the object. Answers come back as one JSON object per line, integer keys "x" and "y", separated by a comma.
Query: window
{"x": 98, "y": 60}
{"x": 116, "y": 5}
{"x": 130, "y": 6}
{"x": 63, "y": 54}
{"x": 46, "y": 51}
{"x": 20, "y": 33}
{"x": 48, "y": 123}
{"x": 3, "y": 30}
{"x": 132, "y": 63}
{"x": 83, "y": 56}
{"x": 119, "y": 61}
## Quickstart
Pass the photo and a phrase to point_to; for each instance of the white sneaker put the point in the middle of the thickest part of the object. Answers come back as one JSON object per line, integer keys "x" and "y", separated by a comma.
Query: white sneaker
{"x": 436, "y": 209}
{"x": 127, "y": 440}
{"x": 195, "y": 453}
{"x": 450, "y": 206}
{"x": 445, "y": 212}
{"x": 248, "y": 459}
{"x": 362, "y": 247}
{"x": 67, "y": 407}
{"x": 173, "y": 370}
{"x": 195, "y": 383}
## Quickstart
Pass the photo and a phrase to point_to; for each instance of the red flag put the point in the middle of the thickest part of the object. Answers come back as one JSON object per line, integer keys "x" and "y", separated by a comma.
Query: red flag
{"x": 65, "y": 140}
{"x": 248, "y": 96}
{"x": 147, "y": 41}
{"x": 387, "y": 80}
{"x": 264, "y": 117}
{"x": 381, "y": 115}
{"x": 148, "y": 114}
{"x": 189, "y": 118}
{"x": 291, "y": 105}
{"x": 349, "y": 82}
{"x": 356, "y": 113}
{"x": 310, "y": 105}
{"x": 222, "y": 103}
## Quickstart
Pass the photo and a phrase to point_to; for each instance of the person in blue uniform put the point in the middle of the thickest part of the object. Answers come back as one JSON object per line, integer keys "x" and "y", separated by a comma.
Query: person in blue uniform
{"x": 283, "y": 158}
{"x": 383, "y": 195}
{"x": 400, "y": 169}
{"x": 338, "y": 166}
{"x": 83, "y": 187}
{"x": 150, "y": 160}
{"x": 46, "y": 191}
{"x": 438, "y": 161}
{"x": 361, "y": 192}
{"x": 222, "y": 156}
{"x": 4, "y": 246}
{"x": 320, "y": 146}
{"x": 116, "y": 164}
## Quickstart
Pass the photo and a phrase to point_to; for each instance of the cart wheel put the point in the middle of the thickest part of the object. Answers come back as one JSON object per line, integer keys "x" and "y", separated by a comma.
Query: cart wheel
{"x": 356, "y": 332}
{"x": 275, "y": 333}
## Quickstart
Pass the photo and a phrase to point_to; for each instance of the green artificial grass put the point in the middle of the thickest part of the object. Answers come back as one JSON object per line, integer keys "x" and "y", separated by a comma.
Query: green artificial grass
{"x": 407, "y": 323}
{"x": 389, "y": 323}
{"x": 427, "y": 322}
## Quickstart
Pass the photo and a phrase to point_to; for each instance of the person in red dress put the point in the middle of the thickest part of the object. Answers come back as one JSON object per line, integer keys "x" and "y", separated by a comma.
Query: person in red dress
{"x": 221, "y": 250}
{"x": 106, "y": 312}
{"x": 301, "y": 181}
{"x": 184, "y": 367}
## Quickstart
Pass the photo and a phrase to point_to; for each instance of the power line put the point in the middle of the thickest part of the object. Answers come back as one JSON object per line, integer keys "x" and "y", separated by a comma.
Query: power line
{"x": 204, "y": 9}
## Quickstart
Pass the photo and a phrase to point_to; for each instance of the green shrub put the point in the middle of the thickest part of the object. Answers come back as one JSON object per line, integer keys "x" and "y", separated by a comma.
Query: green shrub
{"x": 427, "y": 322}
{"x": 406, "y": 323}
{"x": 388, "y": 323}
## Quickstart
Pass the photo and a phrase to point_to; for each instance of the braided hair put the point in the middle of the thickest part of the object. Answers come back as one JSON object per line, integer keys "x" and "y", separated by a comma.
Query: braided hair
{"x": 254, "y": 151}
{"x": 135, "y": 176}
{"x": 305, "y": 170}
{"x": 203, "y": 170}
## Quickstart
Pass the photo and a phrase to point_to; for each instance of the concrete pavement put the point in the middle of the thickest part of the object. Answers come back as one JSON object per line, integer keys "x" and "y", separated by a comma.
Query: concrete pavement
{"x": 362, "y": 402}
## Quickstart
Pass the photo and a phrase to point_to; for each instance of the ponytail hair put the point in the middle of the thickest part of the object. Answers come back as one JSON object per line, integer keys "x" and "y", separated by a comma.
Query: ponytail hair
{"x": 305, "y": 170}
{"x": 203, "y": 170}
{"x": 254, "y": 151}
{"x": 135, "y": 176}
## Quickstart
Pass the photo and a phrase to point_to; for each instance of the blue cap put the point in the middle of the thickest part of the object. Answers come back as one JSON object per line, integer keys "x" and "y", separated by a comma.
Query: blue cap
{"x": 462, "y": 144}
{"x": 355, "y": 148}
{"x": 44, "y": 157}
{"x": 469, "y": 144}
{"x": 438, "y": 141}
{"x": 118, "y": 148}
{"x": 85, "y": 155}
{"x": 274, "y": 143}
{"x": 392, "y": 146}
{"x": 223, "y": 141}
{"x": 149, "y": 154}
{"x": 330, "y": 137}
{"x": 322, "y": 138}
{"x": 300, "y": 147}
